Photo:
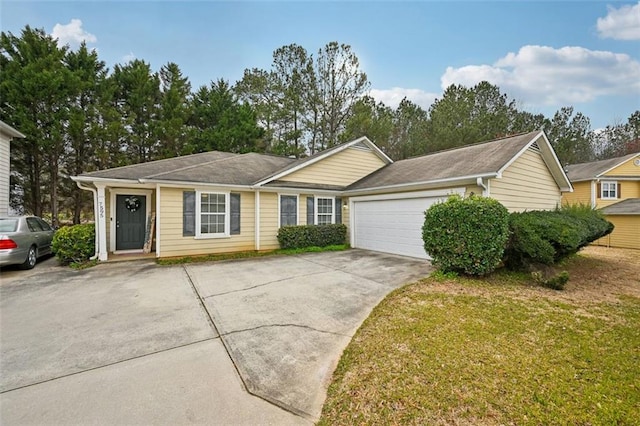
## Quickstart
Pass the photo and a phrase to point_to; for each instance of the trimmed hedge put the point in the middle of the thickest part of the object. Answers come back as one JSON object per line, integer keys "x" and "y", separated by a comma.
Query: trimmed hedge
{"x": 301, "y": 236}
{"x": 74, "y": 244}
{"x": 466, "y": 235}
{"x": 549, "y": 236}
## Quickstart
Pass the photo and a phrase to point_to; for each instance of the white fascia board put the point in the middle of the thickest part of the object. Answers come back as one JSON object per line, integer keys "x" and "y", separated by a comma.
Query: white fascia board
{"x": 471, "y": 179}
{"x": 515, "y": 157}
{"x": 412, "y": 194}
{"x": 600, "y": 175}
{"x": 549, "y": 151}
{"x": 5, "y": 128}
{"x": 190, "y": 184}
{"x": 550, "y": 159}
{"x": 625, "y": 178}
{"x": 105, "y": 181}
{"x": 292, "y": 191}
{"x": 363, "y": 139}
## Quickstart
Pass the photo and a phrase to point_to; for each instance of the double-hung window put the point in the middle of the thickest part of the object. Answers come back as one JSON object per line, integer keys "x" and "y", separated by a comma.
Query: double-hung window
{"x": 609, "y": 190}
{"x": 325, "y": 212}
{"x": 212, "y": 214}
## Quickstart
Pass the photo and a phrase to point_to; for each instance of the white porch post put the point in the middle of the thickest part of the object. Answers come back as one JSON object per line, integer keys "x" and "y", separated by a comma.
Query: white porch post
{"x": 101, "y": 219}
{"x": 257, "y": 220}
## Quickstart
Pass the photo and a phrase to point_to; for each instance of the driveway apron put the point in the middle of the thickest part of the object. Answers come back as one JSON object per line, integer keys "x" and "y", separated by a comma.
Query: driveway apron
{"x": 286, "y": 320}
{"x": 237, "y": 342}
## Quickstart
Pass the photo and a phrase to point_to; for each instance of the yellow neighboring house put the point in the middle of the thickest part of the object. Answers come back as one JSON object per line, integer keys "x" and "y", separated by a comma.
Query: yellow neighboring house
{"x": 217, "y": 202}
{"x": 613, "y": 186}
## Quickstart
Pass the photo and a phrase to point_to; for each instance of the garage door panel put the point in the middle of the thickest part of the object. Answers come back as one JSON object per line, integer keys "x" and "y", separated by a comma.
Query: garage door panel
{"x": 391, "y": 226}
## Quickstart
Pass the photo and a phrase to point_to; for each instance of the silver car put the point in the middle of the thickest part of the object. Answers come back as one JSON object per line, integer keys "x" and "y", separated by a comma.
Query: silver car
{"x": 23, "y": 239}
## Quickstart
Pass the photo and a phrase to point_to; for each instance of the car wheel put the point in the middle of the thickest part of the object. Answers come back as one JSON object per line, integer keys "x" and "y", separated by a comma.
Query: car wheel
{"x": 32, "y": 257}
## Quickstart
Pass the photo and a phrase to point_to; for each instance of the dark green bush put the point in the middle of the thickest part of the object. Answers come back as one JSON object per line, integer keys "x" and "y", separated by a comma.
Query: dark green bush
{"x": 556, "y": 282}
{"x": 74, "y": 244}
{"x": 549, "y": 236}
{"x": 302, "y": 236}
{"x": 466, "y": 235}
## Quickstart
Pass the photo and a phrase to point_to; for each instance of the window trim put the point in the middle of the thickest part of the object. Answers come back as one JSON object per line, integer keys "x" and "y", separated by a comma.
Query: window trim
{"x": 315, "y": 207}
{"x": 297, "y": 196}
{"x": 609, "y": 183}
{"x": 227, "y": 215}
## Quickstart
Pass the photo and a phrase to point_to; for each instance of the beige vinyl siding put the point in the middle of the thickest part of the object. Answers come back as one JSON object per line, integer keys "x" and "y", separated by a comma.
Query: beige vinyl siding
{"x": 526, "y": 184}
{"x": 472, "y": 189}
{"x": 626, "y": 233}
{"x": 628, "y": 189}
{"x": 172, "y": 243}
{"x": 269, "y": 221}
{"x": 4, "y": 174}
{"x": 581, "y": 194}
{"x": 342, "y": 168}
{"x": 625, "y": 169}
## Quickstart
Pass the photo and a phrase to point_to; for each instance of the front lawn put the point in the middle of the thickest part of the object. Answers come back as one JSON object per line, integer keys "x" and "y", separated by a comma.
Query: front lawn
{"x": 499, "y": 351}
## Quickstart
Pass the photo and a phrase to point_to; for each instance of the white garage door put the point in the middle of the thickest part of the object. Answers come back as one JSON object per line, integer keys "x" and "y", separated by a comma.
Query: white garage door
{"x": 391, "y": 226}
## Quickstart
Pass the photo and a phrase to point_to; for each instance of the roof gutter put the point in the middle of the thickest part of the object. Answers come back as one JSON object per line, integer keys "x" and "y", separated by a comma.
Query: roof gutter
{"x": 418, "y": 185}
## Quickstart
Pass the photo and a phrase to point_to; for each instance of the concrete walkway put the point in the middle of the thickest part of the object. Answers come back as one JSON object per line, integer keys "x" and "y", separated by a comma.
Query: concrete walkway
{"x": 243, "y": 342}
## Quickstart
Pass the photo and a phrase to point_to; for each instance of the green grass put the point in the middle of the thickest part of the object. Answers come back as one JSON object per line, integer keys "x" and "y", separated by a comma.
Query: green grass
{"x": 247, "y": 254}
{"x": 486, "y": 354}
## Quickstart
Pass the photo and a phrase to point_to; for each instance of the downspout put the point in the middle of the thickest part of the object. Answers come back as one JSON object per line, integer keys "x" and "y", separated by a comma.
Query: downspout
{"x": 257, "y": 220}
{"x": 95, "y": 209}
{"x": 485, "y": 190}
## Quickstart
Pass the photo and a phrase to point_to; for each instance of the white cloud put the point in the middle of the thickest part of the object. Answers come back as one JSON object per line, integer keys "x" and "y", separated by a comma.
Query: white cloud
{"x": 72, "y": 34}
{"x": 621, "y": 24}
{"x": 542, "y": 75}
{"x": 128, "y": 57}
{"x": 392, "y": 97}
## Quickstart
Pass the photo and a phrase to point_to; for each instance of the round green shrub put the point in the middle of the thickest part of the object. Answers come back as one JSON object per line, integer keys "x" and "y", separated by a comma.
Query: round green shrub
{"x": 466, "y": 235}
{"x": 74, "y": 244}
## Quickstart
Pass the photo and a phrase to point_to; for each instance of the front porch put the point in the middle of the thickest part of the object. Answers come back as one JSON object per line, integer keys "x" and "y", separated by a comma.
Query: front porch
{"x": 125, "y": 220}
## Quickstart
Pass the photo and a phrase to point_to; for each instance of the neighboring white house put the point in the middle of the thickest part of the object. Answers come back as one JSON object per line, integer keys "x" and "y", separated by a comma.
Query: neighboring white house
{"x": 6, "y": 134}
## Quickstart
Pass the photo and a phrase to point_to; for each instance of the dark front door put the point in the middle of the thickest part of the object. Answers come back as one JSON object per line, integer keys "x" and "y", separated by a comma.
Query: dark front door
{"x": 131, "y": 211}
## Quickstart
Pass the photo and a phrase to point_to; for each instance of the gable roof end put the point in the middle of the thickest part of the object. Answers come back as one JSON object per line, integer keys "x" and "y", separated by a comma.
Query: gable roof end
{"x": 484, "y": 160}
{"x": 596, "y": 169}
{"x": 304, "y": 162}
{"x": 551, "y": 160}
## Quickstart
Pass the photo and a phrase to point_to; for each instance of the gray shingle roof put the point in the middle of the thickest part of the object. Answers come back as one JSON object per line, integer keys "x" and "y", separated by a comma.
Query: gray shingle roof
{"x": 208, "y": 167}
{"x": 245, "y": 169}
{"x": 588, "y": 171}
{"x": 471, "y": 160}
{"x": 630, "y": 206}
{"x": 217, "y": 167}
{"x": 146, "y": 170}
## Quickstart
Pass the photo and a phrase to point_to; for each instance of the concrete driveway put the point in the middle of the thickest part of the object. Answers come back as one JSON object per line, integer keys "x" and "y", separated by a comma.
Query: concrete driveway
{"x": 242, "y": 342}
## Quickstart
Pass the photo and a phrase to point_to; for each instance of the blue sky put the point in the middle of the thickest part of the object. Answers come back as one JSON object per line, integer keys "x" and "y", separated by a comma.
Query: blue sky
{"x": 543, "y": 54}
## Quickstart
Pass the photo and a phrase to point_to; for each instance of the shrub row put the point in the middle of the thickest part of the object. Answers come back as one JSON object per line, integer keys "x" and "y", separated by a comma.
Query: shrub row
{"x": 475, "y": 235}
{"x": 549, "y": 236}
{"x": 303, "y": 236}
{"x": 74, "y": 244}
{"x": 466, "y": 235}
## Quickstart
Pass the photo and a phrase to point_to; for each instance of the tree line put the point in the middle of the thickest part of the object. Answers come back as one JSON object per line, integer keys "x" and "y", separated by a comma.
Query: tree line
{"x": 79, "y": 116}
